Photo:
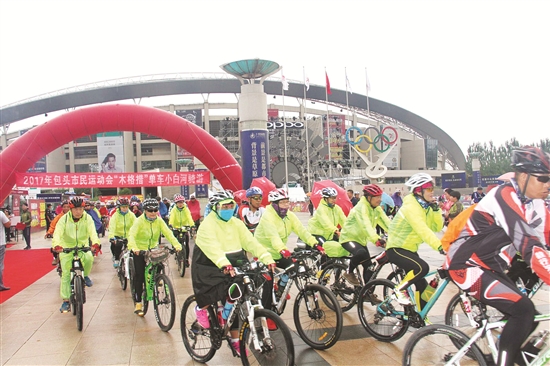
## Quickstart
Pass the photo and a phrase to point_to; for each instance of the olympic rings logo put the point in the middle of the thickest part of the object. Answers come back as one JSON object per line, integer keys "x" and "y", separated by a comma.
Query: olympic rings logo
{"x": 382, "y": 141}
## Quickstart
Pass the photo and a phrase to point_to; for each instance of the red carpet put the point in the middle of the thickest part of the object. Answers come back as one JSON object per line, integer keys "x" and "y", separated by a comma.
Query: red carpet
{"x": 22, "y": 268}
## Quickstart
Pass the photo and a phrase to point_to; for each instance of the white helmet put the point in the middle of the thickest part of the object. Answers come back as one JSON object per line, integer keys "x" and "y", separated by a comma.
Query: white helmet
{"x": 277, "y": 195}
{"x": 418, "y": 180}
{"x": 329, "y": 192}
{"x": 220, "y": 196}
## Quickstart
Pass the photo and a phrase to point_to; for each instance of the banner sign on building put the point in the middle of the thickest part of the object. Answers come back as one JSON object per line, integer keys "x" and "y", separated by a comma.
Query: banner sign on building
{"x": 201, "y": 190}
{"x": 50, "y": 197}
{"x": 336, "y": 129}
{"x": 91, "y": 180}
{"x": 453, "y": 180}
{"x": 489, "y": 180}
{"x": 110, "y": 152}
{"x": 476, "y": 179}
{"x": 194, "y": 116}
{"x": 40, "y": 165}
{"x": 255, "y": 148}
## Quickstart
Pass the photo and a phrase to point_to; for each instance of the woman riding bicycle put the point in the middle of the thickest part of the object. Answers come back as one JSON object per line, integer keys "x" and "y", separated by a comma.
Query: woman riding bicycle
{"x": 503, "y": 223}
{"x": 144, "y": 235}
{"x": 360, "y": 228}
{"x": 415, "y": 223}
{"x": 328, "y": 219}
{"x": 119, "y": 227}
{"x": 75, "y": 228}
{"x": 180, "y": 217}
{"x": 219, "y": 244}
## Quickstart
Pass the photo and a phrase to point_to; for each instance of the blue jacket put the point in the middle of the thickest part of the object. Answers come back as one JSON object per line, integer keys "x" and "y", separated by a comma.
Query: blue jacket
{"x": 163, "y": 210}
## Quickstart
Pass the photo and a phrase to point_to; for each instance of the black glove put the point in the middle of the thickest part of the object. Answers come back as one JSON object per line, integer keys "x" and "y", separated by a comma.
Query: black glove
{"x": 441, "y": 251}
{"x": 434, "y": 206}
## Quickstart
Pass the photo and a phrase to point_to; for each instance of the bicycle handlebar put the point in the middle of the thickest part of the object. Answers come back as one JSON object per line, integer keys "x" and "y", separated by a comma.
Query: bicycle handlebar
{"x": 76, "y": 249}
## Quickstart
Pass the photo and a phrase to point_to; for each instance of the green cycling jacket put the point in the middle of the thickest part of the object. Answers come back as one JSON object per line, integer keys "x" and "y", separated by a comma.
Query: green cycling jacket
{"x": 217, "y": 238}
{"x": 180, "y": 218}
{"x": 360, "y": 225}
{"x": 273, "y": 232}
{"x": 69, "y": 234}
{"x": 145, "y": 234}
{"x": 120, "y": 225}
{"x": 414, "y": 225}
{"x": 325, "y": 220}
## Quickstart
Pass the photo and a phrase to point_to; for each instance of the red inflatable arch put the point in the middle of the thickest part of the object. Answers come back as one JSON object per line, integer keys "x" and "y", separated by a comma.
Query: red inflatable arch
{"x": 41, "y": 140}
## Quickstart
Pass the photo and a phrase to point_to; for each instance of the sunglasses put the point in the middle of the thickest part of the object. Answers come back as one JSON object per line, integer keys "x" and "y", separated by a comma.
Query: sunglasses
{"x": 541, "y": 178}
{"x": 431, "y": 189}
{"x": 257, "y": 198}
{"x": 153, "y": 210}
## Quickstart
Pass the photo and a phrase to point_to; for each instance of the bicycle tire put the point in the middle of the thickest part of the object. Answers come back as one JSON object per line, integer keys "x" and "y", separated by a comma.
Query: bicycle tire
{"x": 332, "y": 278}
{"x": 317, "y": 317}
{"x": 384, "y": 321}
{"x": 180, "y": 258}
{"x": 78, "y": 301}
{"x": 196, "y": 339}
{"x": 277, "y": 347}
{"x": 144, "y": 302}
{"x": 164, "y": 302}
{"x": 122, "y": 274}
{"x": 131, "y": 276}
{"x": 430, "y": 346}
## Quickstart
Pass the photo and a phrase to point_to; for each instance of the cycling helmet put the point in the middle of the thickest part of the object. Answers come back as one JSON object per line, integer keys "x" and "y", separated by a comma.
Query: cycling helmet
{"x": 254, "y": 191}
{"x": 150, "y": 204}
{"x": 122, "y": 202}
{"x": 277, "y": 195}
{"x": 134, "y": 198}
{"x": 76, "y": 202}
{"x": 220, "y": 196}
{"x": 179, "y": 198}
{"x": 329, "y": 192}
{"x": 66, "y": 202}
{"x": 419, "y": 181}
{"x": 134, "y": 204}
{"x": 531, "y": 160}
{"x": 372, "y": 190}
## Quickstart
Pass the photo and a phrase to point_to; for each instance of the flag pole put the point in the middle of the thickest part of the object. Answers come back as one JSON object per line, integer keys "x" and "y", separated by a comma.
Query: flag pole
{"x": 328, "y": 127}
{"x": 284, "y": 129}
{"x": 307, "y": 132}
{"x": 347, "y": 110}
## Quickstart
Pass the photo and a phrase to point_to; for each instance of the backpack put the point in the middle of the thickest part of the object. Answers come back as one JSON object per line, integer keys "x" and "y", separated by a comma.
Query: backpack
{"x": 455, "y": 227}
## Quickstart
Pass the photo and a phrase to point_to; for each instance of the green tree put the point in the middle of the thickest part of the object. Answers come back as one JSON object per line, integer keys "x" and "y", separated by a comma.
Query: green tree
{"x": 125, "y": 191}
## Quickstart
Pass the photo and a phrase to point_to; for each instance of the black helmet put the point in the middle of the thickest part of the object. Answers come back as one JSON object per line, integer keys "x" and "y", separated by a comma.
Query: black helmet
{"x": 530, "y": 160}
{"x": 150, "y": 204}
{"x": 76, "y": 202}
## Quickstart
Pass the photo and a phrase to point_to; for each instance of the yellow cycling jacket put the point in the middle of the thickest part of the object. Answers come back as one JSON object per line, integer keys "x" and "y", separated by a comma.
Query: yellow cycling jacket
{"x": 217, "y": 238}
{"x": 360, "y": 225}
{"x": 325, "y": 220}
{"x": 414, "y": 225}
{"x": 120, "y": 224}
{"x": 180, "y": 218}
{"x": 273, "y": 232}
{"x": 145, "y": 234}
{"x": 69, "y": 234}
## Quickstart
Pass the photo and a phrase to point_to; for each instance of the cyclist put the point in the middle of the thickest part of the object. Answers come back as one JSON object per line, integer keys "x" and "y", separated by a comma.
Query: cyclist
{"x": 415, "y": 223}
{"x": 119, "y": 227}
{"x": 360, "y": 228}
{"x": 328, "y": 218}
{"x": 219, "y": 244}
{"x": 49, "y": 234}
{"x": 251, "y": 211}
{"x": 506, "y": 221}
{"x": 135, "y": 209}
{"x": 180, "y": 216}
{"x": 272, "y": 232}
{"x": 75, "y": 228}
{"x": 144, "y": 235}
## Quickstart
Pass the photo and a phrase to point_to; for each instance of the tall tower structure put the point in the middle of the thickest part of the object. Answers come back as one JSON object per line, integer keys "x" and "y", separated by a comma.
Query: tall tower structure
{"x": 253, "y": 134}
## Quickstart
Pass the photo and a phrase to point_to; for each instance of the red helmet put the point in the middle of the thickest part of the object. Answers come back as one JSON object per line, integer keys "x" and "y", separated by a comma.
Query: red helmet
{"x": 372, "y": 190}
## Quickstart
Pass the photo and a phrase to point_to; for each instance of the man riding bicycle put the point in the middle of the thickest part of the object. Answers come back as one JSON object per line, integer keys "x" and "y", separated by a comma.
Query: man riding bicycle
{"x": 328, "y": 219}
{"x": 75, "y": 228}
{"x": 120, "y": 224}
{"x": 180, "y": 217}
{"x": 498, "y": 228}
{"x": 251, "y": 211}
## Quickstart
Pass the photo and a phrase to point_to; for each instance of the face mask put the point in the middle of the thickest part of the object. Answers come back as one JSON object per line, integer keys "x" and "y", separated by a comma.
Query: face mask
{"x": 422, "y": 202}
{"x": 331, "y": 205}
{"x": 226, "y": 215}
{"x": 280, "y": 211}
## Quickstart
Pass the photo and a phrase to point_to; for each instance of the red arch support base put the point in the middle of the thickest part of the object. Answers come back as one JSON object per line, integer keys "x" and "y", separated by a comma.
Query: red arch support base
{"x": 41, "y": 140}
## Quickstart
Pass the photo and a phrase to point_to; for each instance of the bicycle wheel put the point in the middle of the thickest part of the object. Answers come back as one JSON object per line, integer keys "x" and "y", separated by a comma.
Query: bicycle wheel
{"x": 78, "y": 301}
{"x": 332, "y": 278}
{"x": 275, "y": 346}
{"x": 122, "y": 274}
{"x": 131, "y": 276}
{"x": 164, "y": 302}
{"x": 382, "y": 316}
{"x": 180, "y": 258}
{"x": 317, "y": 317}
{"x": 196, "y": 339}
{"x": 436, "y": 345}
{"x": 144, "y": 302}
{"x": 455, "y": 316}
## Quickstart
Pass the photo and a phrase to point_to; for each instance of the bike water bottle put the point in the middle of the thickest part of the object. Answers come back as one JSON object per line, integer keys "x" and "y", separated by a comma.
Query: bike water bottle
{"x": 227, "y": 309}
{"x": 282, "y": 282}
{"x": 430, "y": 289}
{"x": 535, "y": 344}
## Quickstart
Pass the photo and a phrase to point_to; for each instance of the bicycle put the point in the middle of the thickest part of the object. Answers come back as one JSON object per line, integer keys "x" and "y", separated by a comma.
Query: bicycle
{"x": 78, "y": 293}
{"x": 317, "y": 316}
{"x": 259, "y": 344}
{"x": 332, "y": 277}
{"x": 444, "y": 345}
{"x": 182, "y": 234}
{"x": 158, "y": 287}
{"x": 388, "y": 320}
{"x": 123, "y": 270}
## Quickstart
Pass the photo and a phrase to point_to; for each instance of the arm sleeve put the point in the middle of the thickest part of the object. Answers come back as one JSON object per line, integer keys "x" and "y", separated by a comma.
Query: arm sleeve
{"x": 168, "y": 234}
{"x": 368, "y": 226}
{"x": 53, "y": 224}
{"x": 207, "y": 240}
{"x": 324, "y": 220}
{"x": 58, "y": 233}
{"x": 250, "y": 244}
{"x": 415, "y": 218}
{"x": 112, "y": 226}
{"x": 384, "y": 221}
{"x": 132, "y": 235}
{"x": 300, "y": 230}
{"x": 92, "y": 231}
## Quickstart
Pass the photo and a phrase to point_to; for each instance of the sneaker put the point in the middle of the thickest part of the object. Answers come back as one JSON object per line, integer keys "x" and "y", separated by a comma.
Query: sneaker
{"x": 88, "y": 281}
{"x": 373, "y": 298}
{"x": 271, "y": 324}
{"x": 187, "y": 263}
{"x": 27, "y": 248}
{"x": 402, "y": 297}
{"x": 352, "y": 278}
{"x": 116, "y": 264}
{"x": 65, "y": 307}
{"x": 236, "y": 345}
{"x": 202, "y": 317}
{"x": 54, "y": 262}
{"x": 138, "y": 309}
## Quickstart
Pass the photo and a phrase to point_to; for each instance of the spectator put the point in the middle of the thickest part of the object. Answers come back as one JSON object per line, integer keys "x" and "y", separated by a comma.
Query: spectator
{"x": 456, "y": 207}
{"x": 49, "y": 215}
{"x": 478, "y": 195}
{"x": 356, "y": 197}
{"x": 135, "y": 209}
{"x": 6, "y": 224}
{"x": 26, "y": 219}
{"x": 195, "y": 207}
